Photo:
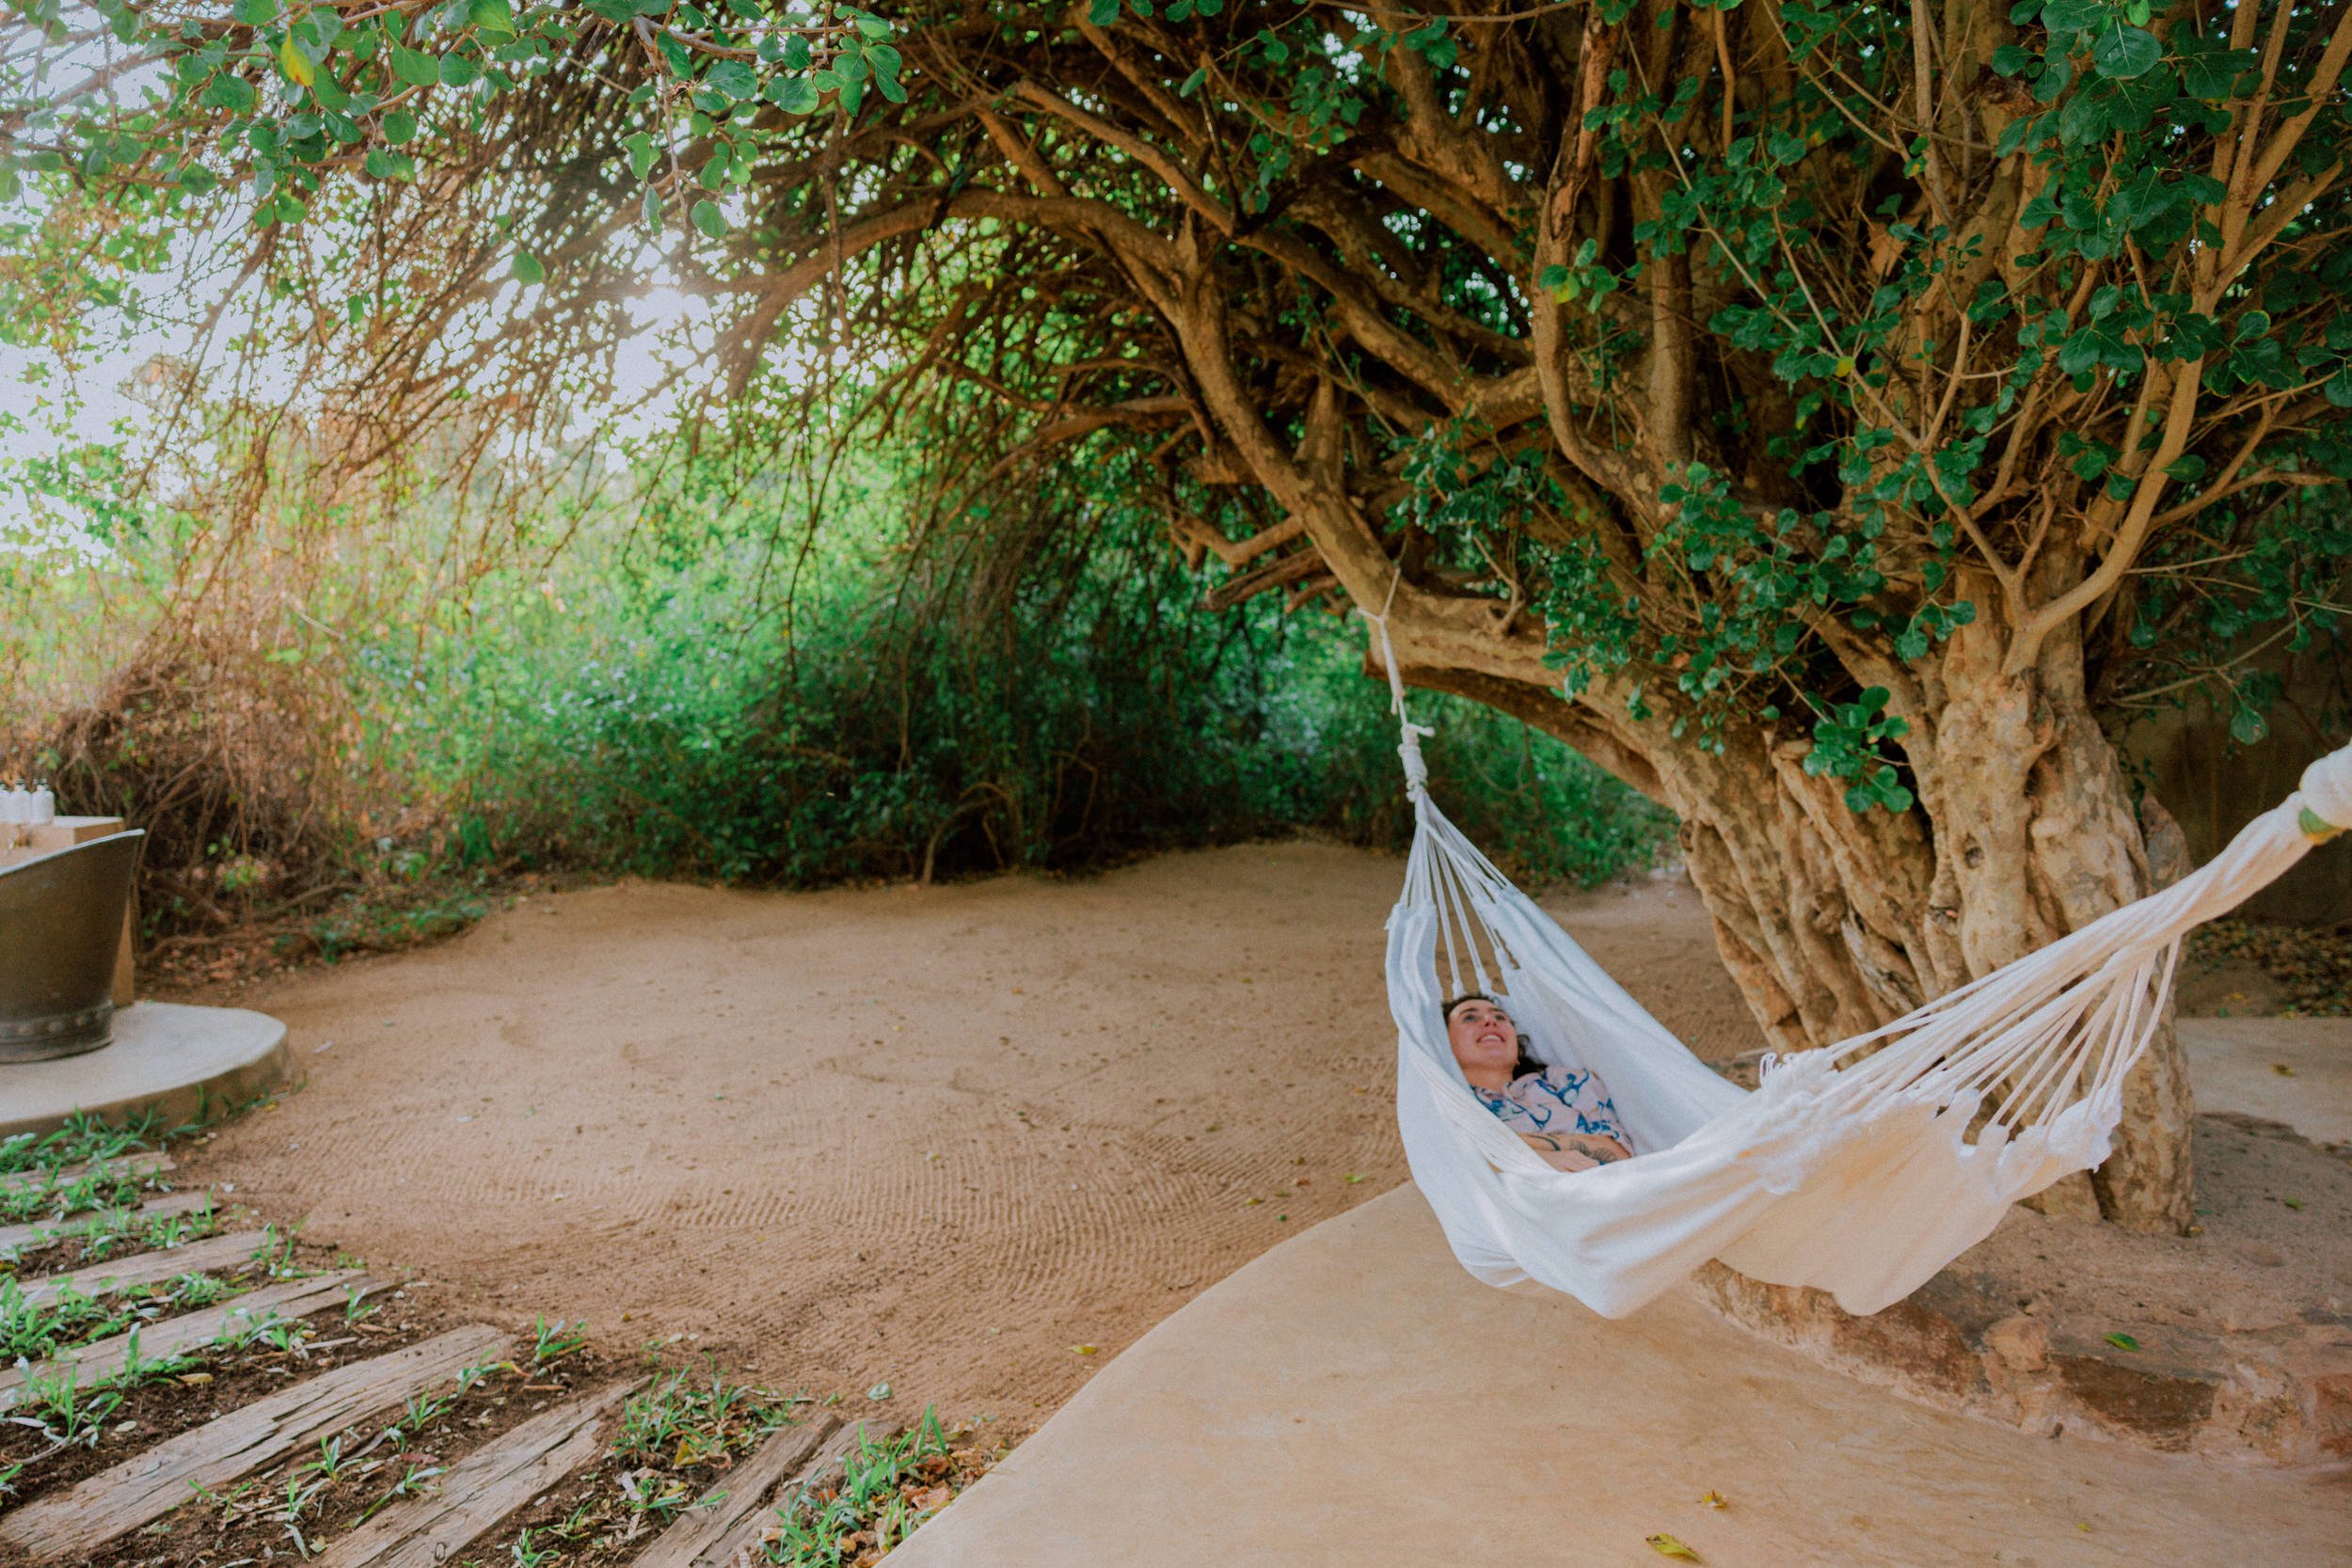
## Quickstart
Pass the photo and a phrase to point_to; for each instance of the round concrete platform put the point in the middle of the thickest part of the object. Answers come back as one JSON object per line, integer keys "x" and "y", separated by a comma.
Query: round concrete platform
{"x": 182, "y": 1062}
{"x": 1354, "y": 1400}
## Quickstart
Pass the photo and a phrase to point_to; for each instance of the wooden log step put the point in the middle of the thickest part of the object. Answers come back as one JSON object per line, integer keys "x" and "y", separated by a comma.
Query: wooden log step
{"x": 482, "y": 1488}
{"x": 16, "y": 1239}
{"x": 222, "y": 1253}
{"x": 740, "y": 1544}
{"x": 711, "y": 1528}
{"x": 126, "y": 1166}
{"x": 157, "y": 1342}
{"x": 150, "y": 1485}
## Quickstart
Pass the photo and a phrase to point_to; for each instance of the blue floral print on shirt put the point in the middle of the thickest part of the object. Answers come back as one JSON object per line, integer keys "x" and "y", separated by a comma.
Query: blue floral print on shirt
{"x": 1557, "y": 1100}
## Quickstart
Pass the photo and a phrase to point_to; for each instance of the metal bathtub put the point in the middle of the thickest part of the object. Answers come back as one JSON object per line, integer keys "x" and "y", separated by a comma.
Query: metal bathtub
{"x": 60, "y": 926}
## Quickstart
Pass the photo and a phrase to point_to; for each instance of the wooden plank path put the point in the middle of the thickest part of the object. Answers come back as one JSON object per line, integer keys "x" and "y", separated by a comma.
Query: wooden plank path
{"x": 158, "y": 1342}
{"x": 482, "y": 1488}
{"x": 150, "y": 1484}
{"x": 104, "y": 1277}
{"x": 34, "y": 1233}
{"x": 726, "y": 1525}
{"x": 133, "y": 1167}
{"x": 706, "y": 1531}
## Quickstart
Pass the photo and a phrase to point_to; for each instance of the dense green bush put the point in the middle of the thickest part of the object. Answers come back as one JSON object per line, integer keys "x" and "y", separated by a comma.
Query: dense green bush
{"x": 636, "y": 718}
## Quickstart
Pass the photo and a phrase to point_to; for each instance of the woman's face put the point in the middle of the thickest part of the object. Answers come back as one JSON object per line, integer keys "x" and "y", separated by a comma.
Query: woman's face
{"x": 1485, "y": 1041}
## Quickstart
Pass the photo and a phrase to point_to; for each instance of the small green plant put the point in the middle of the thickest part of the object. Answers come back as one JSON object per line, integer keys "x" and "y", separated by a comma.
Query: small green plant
{"x": 230, "y": 1503}
{"x": 422, "y": 1412}
{"x": 411, "y": 1484}
{"x": 67, "y": 1415}
{"x": 276, "y": 1254}
{"x": 529, "y": 1556}
{"x": 555, "y": 1341}
{"x": 469, "y": 1376}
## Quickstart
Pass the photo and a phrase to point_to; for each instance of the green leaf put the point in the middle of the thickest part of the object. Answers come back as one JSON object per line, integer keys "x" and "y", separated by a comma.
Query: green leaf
{"x": 794, "y": 95}
{"x": 643, "y": 154}
{"x": 459, "y": 71}
{"x": 494, "y": 17}
{"x": 2072, "y": 16}
{"x": 1103, "y": 12}
{"x": 2211, "y": 74}
{"x": 400, "y": 127}
{"x": 414, "y": 67}
{"x": 2246, "y": 728}
{"x": 708, "y": 219}
{"x": 255, "y": 13}
{"x": 733, "y": 78}
{"x": 2122, "y": 1341}
{"x": 232, "y": 93}
{"x": 2126, "y": 53}
{"x": 528, "y": 269}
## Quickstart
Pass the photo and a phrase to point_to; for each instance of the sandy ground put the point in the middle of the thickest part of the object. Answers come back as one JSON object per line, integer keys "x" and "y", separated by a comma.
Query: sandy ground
{"x": 935, "y": 1137}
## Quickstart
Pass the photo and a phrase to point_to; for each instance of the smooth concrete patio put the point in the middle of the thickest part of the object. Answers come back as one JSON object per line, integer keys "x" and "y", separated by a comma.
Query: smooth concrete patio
{"x": 2234, "y": 1064}
{"x": 1354, "y": 1399}
{"x": 180, "y": 1062}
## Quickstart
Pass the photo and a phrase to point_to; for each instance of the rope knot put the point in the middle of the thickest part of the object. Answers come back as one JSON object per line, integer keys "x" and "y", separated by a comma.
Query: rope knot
{"x": 1408, "y": 752}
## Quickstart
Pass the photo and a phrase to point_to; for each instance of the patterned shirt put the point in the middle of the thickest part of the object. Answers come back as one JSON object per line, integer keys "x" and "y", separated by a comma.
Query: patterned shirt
{"x": 1557, "y": 1100}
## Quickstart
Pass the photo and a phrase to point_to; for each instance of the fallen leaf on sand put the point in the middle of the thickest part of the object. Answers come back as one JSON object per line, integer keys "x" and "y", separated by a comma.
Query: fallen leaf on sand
{"x": 930, "y": 1498}
{"x": 1713, "y": 1499}
{"x": 1666, "y": 1546}
{"x": 2122, "y": 1341}
{"x": 1084, "y": 1350}
{"x": 878, "y": 1391}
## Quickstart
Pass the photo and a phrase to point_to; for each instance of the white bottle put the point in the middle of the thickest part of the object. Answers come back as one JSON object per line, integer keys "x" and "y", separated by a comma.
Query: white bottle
{"x": 44, "y": 804}
{"x": 16, "y": 806}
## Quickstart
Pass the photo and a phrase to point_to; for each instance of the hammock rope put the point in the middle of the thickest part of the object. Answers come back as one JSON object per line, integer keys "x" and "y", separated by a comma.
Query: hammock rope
{"x": 1860, "y": 1167}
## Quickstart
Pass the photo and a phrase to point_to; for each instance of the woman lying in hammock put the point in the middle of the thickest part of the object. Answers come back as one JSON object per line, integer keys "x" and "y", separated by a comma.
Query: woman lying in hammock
{"x": 1562, "y": 1115}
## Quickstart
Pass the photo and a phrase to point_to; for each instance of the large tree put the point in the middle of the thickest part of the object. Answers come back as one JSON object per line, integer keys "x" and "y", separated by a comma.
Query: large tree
{"x": 1828, "y": 418}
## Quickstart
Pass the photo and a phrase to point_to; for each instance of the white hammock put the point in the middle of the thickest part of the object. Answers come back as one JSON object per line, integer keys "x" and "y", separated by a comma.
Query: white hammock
{"x": 1851, "y": 1172}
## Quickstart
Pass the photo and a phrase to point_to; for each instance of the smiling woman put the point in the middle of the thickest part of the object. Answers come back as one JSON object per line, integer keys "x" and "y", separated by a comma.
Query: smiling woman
{"x": 1564, "y": 1114}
